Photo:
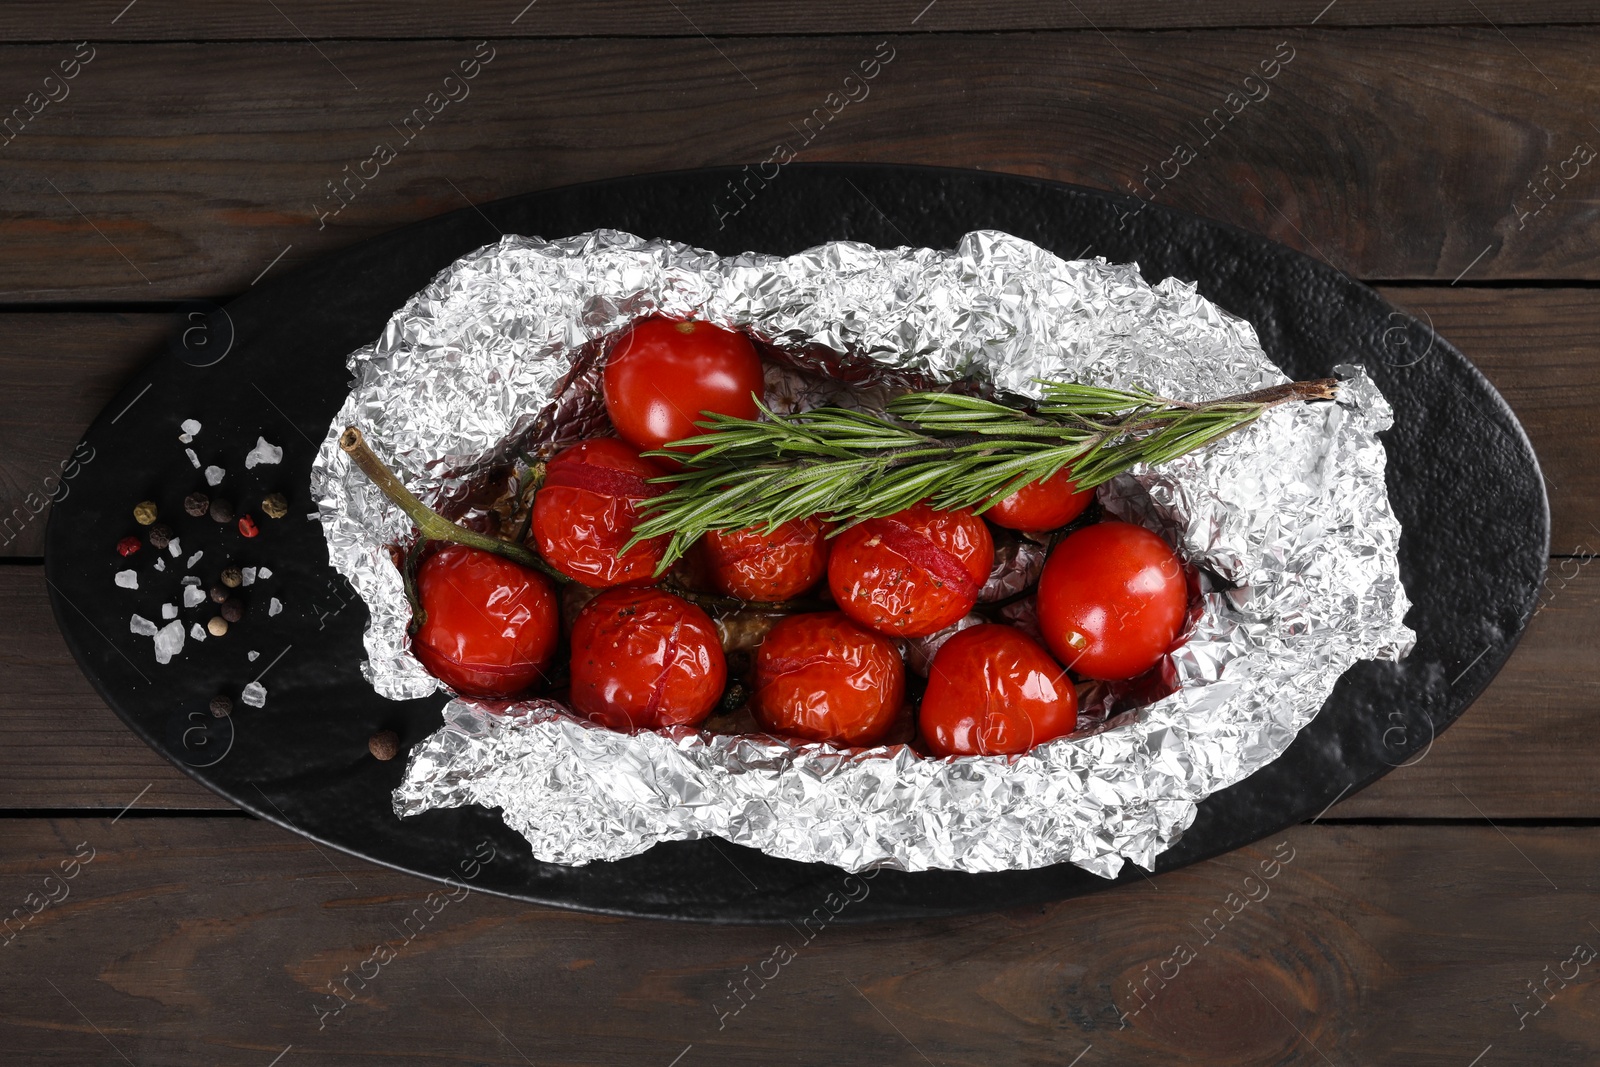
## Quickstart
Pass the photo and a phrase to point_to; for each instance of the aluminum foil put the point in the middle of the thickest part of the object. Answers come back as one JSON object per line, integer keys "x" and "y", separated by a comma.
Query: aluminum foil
{"x": 1292, "y": 516}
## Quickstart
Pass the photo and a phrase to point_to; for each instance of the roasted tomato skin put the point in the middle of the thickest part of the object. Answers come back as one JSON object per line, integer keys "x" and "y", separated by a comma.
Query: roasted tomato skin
{"x": 585, "y": 511}
{"x": 643, "y": 659}
{"x": 821, "y": 677}
{"x": 491, "y": 625}
{"x": 753, "y": 564}
{"x": 1042, "y": 505}
{"x": 660, "y": 375}
{"x": 993, "y": 691}
{"x": 911, "y": 573}
{"x": 1113, "y": 599}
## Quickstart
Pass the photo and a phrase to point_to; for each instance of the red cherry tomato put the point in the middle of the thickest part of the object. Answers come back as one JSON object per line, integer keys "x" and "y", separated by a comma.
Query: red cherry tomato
{"x": 584, "y": 513}
{"x": 994, "y": 691}
{"x": 820, "y": 677}
{"x": 755, "y": 565}
{"x": 491, "y": 626}
{"x": 911, "y": 573}
{"x": 1043, "y": 505}
{"x": 1112, "y": 600}
{"x": 643, "y": 659}
{"x": 660, "y": 375}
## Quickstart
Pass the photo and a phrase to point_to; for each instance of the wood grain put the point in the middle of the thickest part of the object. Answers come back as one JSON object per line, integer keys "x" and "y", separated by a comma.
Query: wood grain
{"x": 1523, "y": 750}
{"x": 203, "y": 941}
{"x": 188, "y": 169}
{"x": 191, "y": 20}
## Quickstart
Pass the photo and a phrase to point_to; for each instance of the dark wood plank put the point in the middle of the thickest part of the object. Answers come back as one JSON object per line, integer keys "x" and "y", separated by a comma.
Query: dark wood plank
{"x": 1523, "y": 750}
{"x": 188, "y": 942}
{"x": 181, "y": 170}
{"x": 189, "y": 20}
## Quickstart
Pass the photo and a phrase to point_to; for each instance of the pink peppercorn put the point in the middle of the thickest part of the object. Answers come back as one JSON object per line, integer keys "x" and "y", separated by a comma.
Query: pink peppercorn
{"x": 247, "y": 526}
{"x": 128, "y": 546}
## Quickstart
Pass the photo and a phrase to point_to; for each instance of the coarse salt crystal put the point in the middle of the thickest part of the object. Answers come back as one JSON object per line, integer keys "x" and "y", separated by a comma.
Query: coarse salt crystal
{"x": 141, "y": 626}
{"x": 251, "y": 655}
{"x": 186, "y": 437}
{"x": 274, "y": 607}
{"x": 263, "y": 453}
{"x": 264, "y": 573}
{"x": 214, "y": 475}
{"x": 175, "y": 548}
{"x": 247, "y": 576}
{"x": 197, "y": 632}
{"x": 192, "y": 560}
{"x": 128, "y": 579}
{"x": 192, "y": 457}
{"x": 191, "y": 427}
{"x": 169, "y": 641}
{"x": 254, "y": 694}
{"x": 169, "y": 611}
{"x": 161, "y": 564}
{"x": 189, "y": 579}
{"x": 193, "y": 596}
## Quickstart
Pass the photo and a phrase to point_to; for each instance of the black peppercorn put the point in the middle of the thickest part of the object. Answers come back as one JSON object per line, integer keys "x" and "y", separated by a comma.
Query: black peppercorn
{"x": 219, "y": 593}
{"x": 221, "y": 511}
{"x": 160, "y": 535}
{"x": 233, "y": 609}
{"x": 196, "y": 504}
{"x": 275, "y": 505}
{"x": 221, "y": 707}
{"x": 231, "y": 577}
{"x": 384, "y": 745}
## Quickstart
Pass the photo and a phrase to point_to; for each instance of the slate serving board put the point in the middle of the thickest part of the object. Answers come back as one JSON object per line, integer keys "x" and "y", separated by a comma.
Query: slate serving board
{"x": 1462, "y": 475}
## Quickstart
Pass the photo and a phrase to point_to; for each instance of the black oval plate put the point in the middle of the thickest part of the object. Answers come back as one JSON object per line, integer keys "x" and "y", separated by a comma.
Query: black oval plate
{"x": 1462, "y": 476}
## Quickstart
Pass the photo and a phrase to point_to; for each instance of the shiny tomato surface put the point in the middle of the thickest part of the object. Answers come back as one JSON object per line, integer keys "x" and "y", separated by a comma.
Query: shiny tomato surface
{"x": 491, "y": 626}
{"x": 1042, "y": 505}
{"x": 821, "y": 677}
{"x": 661, "y": 375}
{"x": 1112, "y": 600}
{"x": 992, "y": 690}
{"x": 643, "y": 659}
{"x": 753, "y": 564}
{"x": 911, "y": 573}
{"x": 585, "y": 511}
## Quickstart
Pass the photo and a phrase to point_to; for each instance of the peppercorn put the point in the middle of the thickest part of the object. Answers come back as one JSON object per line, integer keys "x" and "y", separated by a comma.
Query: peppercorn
{"x": 144, "y": 512}
{"x": 222, "y": 511}
{"x": 128, "y": 546}
{"x": 160, "y": 535}
{"x": 247, "y": 526}
{"x": 275, "y": 505}
{"x": 233, "y": 609}
{"x": 221, "y": 707}
{"x": 219, "y": 593}
{"x": 231, "y": 577}
{"x": 217, "y": 626}
{"x": 735, "y": 696}
{"x": 384, "y": 745}
{"x": 196, "y": 504}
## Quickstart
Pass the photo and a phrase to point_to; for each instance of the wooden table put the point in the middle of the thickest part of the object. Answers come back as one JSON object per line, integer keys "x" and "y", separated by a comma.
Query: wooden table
{"x": 1442, "y": 151}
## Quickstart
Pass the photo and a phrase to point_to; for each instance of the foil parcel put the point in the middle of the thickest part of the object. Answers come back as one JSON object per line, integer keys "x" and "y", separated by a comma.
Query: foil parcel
{"x": 1291, "y": 514}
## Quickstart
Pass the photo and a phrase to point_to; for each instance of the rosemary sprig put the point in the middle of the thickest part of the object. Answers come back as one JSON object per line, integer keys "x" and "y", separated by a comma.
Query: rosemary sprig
{"x": 954, "y": 451}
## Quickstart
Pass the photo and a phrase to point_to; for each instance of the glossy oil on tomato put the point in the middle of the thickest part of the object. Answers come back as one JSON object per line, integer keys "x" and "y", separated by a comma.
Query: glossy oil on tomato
{"x": 585, "y": 511}
{"x": 911, "y": 573}
{"x": 643, "y": 659}
{"x": 992, "y": 690}
{"x": 1043, "y": 505}
{"x": 491, "y": 625}
{"x": 1112, "y": 600}
{"x": 753, "y": 564}
{"x": 660, "y": 375}
{"x": 820, "y": 677}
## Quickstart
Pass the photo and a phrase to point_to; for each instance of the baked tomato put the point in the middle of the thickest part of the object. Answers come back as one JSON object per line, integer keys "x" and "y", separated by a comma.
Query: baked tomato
{"x": 660, "y": 375}
{"x": 643, "y": 659}
{"x": 1042, "y": 505}
{"x": 753, "y": 564}
{"x": 491, "y": 625}
{"x": 584, "y": 514}
{"x": 1112, "y": 600}
{"x": 820, "y": 677}
{"x": 992, "y": 691}
{"x": 911, "y": 573}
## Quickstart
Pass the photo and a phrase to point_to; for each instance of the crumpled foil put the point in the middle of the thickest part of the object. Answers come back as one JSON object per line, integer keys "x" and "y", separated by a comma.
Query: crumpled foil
{"x": 1290, "y": 514}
